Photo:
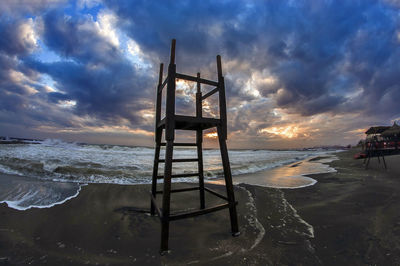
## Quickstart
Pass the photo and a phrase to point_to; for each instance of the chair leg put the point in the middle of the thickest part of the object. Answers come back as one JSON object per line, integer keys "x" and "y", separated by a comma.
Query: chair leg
{"x": 155, "y": 170}
{"x": 166, "y": 197}
{"x": 228, "y": 182}
{"x": 154, "y": 181}
{"x": 367, "y": 149}
{"x": 383, "y": 159}
{"x": 368, "y": 158}
{"x": 199, "y": 137}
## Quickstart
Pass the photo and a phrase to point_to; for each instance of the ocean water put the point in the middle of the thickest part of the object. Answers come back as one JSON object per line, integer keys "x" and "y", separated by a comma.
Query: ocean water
{"x": 57, "y": 169}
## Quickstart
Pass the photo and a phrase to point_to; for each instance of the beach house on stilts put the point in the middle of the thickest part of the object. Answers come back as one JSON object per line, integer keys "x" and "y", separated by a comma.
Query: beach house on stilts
{"x": 381, "y": 141}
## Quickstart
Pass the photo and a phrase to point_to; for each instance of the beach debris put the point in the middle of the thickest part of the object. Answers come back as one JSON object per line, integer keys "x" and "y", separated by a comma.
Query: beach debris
{"x": 287, "y": 242}
{"x": 112, "y": 251}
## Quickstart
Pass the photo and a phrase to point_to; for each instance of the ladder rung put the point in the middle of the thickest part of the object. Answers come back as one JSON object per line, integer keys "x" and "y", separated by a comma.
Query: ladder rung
{"x": 216, "y": 194}
{"x": 179, "y": 175}
{"x": 180, "y": 160}
{"x": 209, "y": 93}
{"x": 196, "y": 79}
{"x": 199, "y": 212}
{"x": 179, "y": 144}
{"x": 179, "y": 190}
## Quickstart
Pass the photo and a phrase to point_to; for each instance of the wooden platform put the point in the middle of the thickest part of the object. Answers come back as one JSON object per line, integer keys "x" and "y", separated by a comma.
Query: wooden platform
{"x": 192, "y": 123}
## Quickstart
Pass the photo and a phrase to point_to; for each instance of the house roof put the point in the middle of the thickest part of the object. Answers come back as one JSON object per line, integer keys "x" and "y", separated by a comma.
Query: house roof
{"x": 393, "y": 130}
{"x": 376, "y": 130}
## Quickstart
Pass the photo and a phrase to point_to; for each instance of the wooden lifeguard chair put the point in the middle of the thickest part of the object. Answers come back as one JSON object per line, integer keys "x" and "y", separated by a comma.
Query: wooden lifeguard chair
{"x": 198, "y": 123}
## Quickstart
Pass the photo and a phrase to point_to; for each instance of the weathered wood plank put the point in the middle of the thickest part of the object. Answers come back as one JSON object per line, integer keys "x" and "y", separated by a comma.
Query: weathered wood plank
{"x": 228, "y": 181}
{"x": 199, "y": 212}
{"x": 222, "y": 99}
{"x": 216, "y": 193}
{"x": 180, "y": 190}
{"x": 166, "y": 195}
{"x": 178, "y": 175}
{"x": 210, "y": 93}
{"x": 180, "y": 144}
{"x": 195, "y": 79}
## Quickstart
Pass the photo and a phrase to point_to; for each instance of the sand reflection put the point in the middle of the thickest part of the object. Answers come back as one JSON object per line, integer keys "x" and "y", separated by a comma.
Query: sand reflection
{"x": 288, "y": 176}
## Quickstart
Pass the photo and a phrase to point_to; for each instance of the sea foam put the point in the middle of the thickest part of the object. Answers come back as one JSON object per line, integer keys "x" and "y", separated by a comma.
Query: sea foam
{"x": 52, "y": 172}
{"x": 86, "y": 163}
{"x": 23, "y": 193}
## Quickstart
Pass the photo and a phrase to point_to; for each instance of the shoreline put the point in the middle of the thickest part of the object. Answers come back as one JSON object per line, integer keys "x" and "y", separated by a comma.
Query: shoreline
{"x": 355, "y": 212}
{"x": 294, "y": 175}
{"x": 70, "y": 162}
{"x": 288, "y": 176}
{"x": 23, "y": 193}
{"x": 348, "y": 217}
{"x": 109, "y": 224}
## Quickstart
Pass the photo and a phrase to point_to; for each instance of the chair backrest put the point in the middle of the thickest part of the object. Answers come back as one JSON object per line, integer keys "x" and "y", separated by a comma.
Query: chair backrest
{"x": 171, "y": 86}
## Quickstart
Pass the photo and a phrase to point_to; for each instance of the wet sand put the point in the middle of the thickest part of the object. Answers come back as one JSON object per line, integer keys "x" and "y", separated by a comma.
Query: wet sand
{"x": 295, "y": 175}
{"x": 355, "y": 212}
{"x": 350, "y": 217}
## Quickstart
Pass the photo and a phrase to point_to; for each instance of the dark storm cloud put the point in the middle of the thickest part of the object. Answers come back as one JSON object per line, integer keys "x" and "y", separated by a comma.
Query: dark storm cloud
{"x": 323, "y": 57}
{"x": 16, "y": 36}
{"x": 21, "y": 8}
{"x": 154, "y": 23}
{"x": 20, "y": 106}
{"x": 100, "y": 92}
{"x": 95, "y": 73}
{"x": 306, "y": 44}
{"x": 77, "y": 38}
{"x": 374, "y": 62}
{"x": 21, "y": 101}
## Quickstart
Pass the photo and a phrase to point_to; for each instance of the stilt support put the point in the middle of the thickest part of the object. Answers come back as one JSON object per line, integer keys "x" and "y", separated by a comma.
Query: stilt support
{"x": 172, "y": 122}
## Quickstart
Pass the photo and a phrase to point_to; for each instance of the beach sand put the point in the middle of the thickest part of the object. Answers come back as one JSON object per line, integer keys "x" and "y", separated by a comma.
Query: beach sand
{"x": 349, "y": 217}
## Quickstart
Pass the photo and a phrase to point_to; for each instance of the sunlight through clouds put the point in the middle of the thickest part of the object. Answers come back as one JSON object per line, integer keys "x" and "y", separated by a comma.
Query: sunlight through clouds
{"x": 285, "y": 132}
{"x": 27, "y": 34}
{"x": 211, "y": 135}
{"x": 317, "y": 78}
{"x": 106, "y": 26}
{"x": 67, "y": 103}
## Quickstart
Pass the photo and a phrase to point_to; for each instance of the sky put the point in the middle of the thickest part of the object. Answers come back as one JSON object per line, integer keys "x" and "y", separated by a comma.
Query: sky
{"x": 297, "y": 73}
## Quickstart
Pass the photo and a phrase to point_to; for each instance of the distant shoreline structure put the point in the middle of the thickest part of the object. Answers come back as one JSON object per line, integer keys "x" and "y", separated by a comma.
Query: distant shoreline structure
{"x": 14, "y": 140}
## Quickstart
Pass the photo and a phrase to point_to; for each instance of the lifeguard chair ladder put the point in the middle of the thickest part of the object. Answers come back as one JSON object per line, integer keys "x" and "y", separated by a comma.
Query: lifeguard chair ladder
{"x": 172, "y": 122}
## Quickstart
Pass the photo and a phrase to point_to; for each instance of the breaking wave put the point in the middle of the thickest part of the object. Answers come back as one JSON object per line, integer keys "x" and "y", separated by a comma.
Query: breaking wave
{"x": 85, "y": 163}
{"x": 74, "y": 162}
{"x": 53, "y": 171}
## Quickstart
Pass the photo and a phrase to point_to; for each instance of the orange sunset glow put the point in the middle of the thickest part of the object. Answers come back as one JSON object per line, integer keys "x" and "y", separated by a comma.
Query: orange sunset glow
{"x": 211, "y": 135}
{"x": 285, "y": 132}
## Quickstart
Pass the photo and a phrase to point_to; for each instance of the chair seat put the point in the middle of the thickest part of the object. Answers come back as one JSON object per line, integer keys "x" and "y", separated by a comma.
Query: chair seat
{"x": 192, "y": 123}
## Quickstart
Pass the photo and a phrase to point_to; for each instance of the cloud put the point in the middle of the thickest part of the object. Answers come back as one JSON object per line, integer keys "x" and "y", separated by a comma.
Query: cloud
{"x": 18, "y": 37}
{"x": 303, "y": 45}
{"x": 92, "y": 78}
{"x": 81, "y": 38}
{"x": 306, "y": 59}
{"x": 20, "y": 8}
{"x": 96, "y": 75}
